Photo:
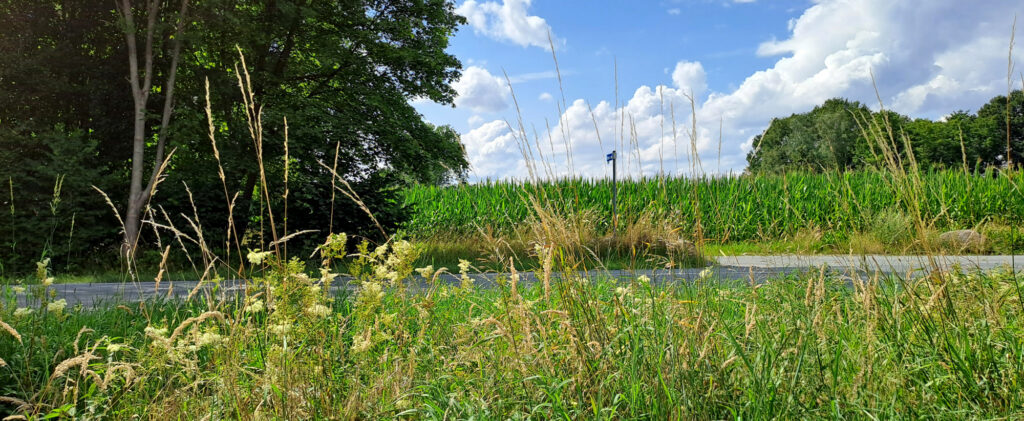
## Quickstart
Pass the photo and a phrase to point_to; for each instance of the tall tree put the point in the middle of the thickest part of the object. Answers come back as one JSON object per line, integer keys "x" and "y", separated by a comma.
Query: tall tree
{"x": 343, "y": 73}
{"x": 141, "y": 81}
{"x": 827, "y": 137}
{"x": 1005, "y": 121}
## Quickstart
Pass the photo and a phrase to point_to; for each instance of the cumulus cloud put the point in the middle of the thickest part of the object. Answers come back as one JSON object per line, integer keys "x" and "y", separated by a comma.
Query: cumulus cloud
{"x": 544, "y": 96}
{"x": 927, "y": 59}
{"x": 690, "y": 76}
{"x": 507, "y": 21}
{"x": 481, "y": 92}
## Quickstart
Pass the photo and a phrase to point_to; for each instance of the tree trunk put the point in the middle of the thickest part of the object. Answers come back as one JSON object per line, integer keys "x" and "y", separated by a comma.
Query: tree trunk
{"x": 244, "y": 210}
{"x": 139, "y": 193}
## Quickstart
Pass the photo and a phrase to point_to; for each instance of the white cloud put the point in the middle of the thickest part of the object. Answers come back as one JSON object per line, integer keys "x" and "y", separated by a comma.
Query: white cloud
{"x": 690, "y": 76}
{"x": 674, "y": 11}
{"x": 508, "y": 21}
{"x": 544, "y": 96}
{"x": 475, "y": 120}
{"x": 927, "y": 58}
{"x": 481, "y": 92}
{"x": 529, "y": 77}
{"x": 489, "y": 151}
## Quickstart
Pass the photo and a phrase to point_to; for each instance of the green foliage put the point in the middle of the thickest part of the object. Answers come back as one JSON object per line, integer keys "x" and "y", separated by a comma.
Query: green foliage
{"x": 830, "y": 138}
{"x": 737, "y": 208}
{"x": 343, "y": 74}
{"x": 892, "y": 228}
{"x": 826, "y": 138}
{"x": 993, "y": 117}
{"x": 50, "y": 209}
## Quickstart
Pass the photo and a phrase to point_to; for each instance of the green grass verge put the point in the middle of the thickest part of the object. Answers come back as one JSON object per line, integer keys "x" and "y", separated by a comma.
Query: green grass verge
{"x": 809, "y": 347}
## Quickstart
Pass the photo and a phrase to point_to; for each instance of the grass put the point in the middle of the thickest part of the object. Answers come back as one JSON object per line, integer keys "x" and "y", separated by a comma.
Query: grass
{"x": 802, "y": 347}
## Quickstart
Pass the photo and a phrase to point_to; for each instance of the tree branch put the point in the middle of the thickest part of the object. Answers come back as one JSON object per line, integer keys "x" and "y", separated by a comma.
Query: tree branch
{"x": 165, "y": 120}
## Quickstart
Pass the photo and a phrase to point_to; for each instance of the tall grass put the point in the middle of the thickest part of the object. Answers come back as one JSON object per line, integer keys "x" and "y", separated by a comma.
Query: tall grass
{"x": 806, "y": 347}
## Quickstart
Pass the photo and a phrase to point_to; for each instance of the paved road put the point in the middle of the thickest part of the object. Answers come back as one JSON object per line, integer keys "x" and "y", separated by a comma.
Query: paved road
{"x": 874, "y": 262}
{"x": 752, "y": 268}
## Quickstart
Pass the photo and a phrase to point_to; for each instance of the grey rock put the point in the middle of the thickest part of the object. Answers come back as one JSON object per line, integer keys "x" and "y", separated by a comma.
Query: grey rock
{"x": 963, "y": 239}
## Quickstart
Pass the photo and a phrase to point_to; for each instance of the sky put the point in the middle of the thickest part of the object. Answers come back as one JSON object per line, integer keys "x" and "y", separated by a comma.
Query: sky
{"x": 630, "y": 71}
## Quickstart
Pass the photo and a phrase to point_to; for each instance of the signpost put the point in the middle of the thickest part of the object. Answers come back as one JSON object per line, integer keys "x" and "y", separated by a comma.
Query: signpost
{"x": 615, "y": 220}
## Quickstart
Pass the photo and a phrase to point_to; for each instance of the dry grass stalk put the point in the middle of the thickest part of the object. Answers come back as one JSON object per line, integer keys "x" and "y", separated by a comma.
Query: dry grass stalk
{"x": 81, "y": 361}
{"x": 352, "y": 195}
{"x": 231, "y": 230}
{"x": 10, "y": 330}
{"x": 254, "y": 120}
{"x": 163, "y": 269}
{"x": 196, "y": 320}
{"x": 78, "y": 337}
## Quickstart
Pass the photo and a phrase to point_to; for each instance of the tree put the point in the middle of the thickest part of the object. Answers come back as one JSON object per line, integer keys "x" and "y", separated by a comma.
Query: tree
{"x": 998, "y": 116}
{"x": 343, "y": 73}
{"x": 141, "y": 82}
{"x": 61, "y": 104}
{"x": 828, "y": 137}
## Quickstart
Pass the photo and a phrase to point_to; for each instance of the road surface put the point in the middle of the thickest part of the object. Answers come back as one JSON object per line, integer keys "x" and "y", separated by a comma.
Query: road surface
{"x": 728, "y": 268}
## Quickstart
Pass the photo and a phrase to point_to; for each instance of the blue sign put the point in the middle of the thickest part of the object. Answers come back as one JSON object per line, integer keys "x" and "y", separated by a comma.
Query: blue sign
{"x": 610, "y": 157}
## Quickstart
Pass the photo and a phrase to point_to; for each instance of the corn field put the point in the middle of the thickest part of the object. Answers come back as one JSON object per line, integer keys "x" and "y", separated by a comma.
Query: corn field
{"x": 735, "y": 208}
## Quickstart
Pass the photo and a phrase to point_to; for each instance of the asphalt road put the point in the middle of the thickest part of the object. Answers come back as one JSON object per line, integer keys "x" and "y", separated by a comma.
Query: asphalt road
{"x": 748, "y": 268}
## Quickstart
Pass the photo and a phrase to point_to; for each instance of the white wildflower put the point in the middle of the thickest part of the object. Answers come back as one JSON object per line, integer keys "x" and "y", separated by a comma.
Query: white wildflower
{"x": 381, "y": 250}
{"x": 281, "y": 329}
{"x": 362, "y": 343}
{"x": 463, "y": 266}
{"x": 256, "y": 257}
{"x": 318, "y": 310}
{"x": 209, "y": 338}
{"x": 22, "y": 312}
{"x": 48, "y": 281}
{"x": 371, "y": 293}
{"x": 155, "y": 332}
{"x": 644, "y": 280}
{"x": 326, "y": 276}
{"x": 426, "y": 272}
{"x": 41, "y": 268}
{"x": 706, "y": 274}
{"x": 112, "y": 348}
{"x": 57, "y": 306}
{"x": 18, "y": 289}
{"x": 255, "y": 307}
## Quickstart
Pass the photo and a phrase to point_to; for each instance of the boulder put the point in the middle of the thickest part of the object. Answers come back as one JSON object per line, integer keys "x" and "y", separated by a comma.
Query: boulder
{"x": 963, "y": 240}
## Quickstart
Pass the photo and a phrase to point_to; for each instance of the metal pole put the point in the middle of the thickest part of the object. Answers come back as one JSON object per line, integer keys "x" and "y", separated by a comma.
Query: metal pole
{"x": 615, "y": 193}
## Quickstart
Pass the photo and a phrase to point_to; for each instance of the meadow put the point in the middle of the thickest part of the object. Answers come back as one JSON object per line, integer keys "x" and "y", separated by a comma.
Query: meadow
{"x": 398, "y": 342}
{"x": 945, "y": 346}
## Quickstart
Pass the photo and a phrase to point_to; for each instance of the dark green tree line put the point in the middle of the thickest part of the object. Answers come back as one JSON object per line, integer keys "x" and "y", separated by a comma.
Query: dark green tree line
{"x": 342, "y": 72}
{"x": 831, "y": 137}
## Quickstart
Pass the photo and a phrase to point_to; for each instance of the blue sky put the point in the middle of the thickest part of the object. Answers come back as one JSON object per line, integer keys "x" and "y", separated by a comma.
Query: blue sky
{"x": 744, "y": 62}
